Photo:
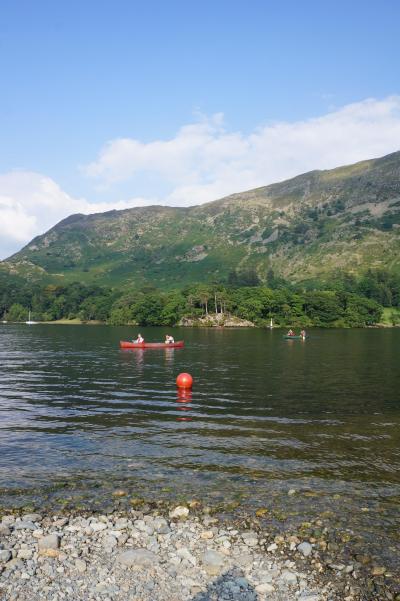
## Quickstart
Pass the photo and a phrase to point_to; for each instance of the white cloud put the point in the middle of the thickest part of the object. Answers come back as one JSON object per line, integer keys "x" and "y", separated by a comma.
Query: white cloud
{"x": 202, "y": 162}
{"x": 31, "y": 203}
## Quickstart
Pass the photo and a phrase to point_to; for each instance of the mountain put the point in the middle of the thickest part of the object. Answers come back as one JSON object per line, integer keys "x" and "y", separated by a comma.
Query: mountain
{"x": 305, "y": 228}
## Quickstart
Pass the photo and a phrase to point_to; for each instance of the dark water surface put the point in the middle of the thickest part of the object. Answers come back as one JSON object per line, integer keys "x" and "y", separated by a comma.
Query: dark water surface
{"x": 265, "y": 416}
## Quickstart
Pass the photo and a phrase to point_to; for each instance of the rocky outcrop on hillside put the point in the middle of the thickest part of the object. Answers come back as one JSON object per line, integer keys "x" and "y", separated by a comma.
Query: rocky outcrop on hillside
{"x": 220, "y": 320}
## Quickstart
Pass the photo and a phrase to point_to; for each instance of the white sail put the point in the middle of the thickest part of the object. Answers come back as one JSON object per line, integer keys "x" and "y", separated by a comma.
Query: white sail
{"x": 29, "y": 322}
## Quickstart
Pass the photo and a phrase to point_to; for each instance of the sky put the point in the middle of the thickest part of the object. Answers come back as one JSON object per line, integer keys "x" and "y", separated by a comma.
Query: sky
{"x": 115, "y": 104}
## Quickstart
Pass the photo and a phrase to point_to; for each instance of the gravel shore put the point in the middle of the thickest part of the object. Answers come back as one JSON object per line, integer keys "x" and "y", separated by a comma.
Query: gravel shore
{"x": 146, "y": 556}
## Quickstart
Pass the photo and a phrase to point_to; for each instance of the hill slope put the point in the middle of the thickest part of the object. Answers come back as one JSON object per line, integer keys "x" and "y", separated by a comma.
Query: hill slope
{"x": 304, "y": 228}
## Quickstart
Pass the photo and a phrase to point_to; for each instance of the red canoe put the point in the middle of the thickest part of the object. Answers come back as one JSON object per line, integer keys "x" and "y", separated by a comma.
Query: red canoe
{"x": 126, "y": 344}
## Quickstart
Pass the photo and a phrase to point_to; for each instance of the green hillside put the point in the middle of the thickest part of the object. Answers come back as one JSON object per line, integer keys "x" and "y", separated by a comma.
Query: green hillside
{"x": 305, "y": 228}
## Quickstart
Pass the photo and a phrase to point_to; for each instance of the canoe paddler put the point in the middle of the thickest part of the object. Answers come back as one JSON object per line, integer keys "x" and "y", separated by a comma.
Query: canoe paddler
{"x": 139, "y": 339}
{"x": 169, "y": 339}
{"x": 290, "y": 333}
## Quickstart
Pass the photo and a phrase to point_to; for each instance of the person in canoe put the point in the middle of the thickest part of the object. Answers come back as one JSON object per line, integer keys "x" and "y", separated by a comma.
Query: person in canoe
{"x": 169, "y": 339}
{"x": 139, "y": 339}
{"x": 290, "y": 333}
{"x": 303, "y": 334}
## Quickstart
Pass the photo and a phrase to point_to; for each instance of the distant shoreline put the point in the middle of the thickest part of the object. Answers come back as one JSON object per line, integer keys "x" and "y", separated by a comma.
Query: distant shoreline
{"x": 197, "y": 325}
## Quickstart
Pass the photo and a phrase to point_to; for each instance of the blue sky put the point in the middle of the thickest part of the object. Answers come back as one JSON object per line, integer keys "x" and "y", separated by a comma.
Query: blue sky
{"x": 79, "y": 77}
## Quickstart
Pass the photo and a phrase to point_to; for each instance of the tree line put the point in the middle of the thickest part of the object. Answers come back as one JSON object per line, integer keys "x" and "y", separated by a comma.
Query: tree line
{"x": 346, "y": 302}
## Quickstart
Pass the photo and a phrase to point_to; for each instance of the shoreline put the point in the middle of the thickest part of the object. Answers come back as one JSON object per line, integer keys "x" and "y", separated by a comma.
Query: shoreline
{"x": 78, "y": 322}
{"x": 164, "y": 552}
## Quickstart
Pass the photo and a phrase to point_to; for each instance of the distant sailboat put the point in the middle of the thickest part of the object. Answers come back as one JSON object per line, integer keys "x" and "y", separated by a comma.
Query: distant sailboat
{"x": 29, "y": 322}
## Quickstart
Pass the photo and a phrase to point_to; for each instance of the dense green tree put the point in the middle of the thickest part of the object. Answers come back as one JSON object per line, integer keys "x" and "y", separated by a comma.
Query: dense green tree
{"x": 120, "y": 316}
{"x": 148, "y": 311}
{"x": 17, "y": 313}
{"x": 322, "y": 307}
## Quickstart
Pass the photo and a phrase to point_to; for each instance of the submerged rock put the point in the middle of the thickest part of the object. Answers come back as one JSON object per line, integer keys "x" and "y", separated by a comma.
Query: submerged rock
{"x": 378, "y": 571}
{"x": 119, "y": 493}
{"x": 179, "y": 512}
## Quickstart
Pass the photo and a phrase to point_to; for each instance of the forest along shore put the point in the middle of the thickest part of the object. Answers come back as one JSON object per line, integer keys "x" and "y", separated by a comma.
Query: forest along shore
{"x": 176, "y": 554}
{"x": 348, "y": 302}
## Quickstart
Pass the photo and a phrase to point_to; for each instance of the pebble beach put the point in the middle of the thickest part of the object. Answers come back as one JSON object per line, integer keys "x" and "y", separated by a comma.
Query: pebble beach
{"x": 179, "y": 554}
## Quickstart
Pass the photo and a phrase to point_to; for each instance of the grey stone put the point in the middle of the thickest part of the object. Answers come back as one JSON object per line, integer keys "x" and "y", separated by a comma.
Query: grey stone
{"x": 25, "y": 554}
{"x": 184, "y": 553}
{"x": 121, "y": 523}
{"x": 24, "y": 525}
{"x": 212, "y": 561}
{"x": 15, "y": 564}
{"x": 244, "y": 560}
{"x": 122, "y": 539}
{"x": 140, "y": 525}
{"x": 98, "y": 526}
{"x": 250, "y": 539}
{"x": 80, "y": 565}
{"x": 104, "y": 588}
{"x": 305, "y": 549}
{"x": 137, "y": 557}
{"x": 51, "y": 541}
{"x": 309, "y": 596}
{"x": 5, "y": 556}
{"x": 265, "y": 575}
{"x": 161, "y": 526}
{"x": 265, "y": 587}
{"x": 48, "y": 570}
{"x": 4, "y": 530}
{"x": 61, "y": 522}
{"x": 32, "y": 517}
{"x": 110, "y": 542}
{"x": 289, "y": 577}
{"x": 8, "y": 520}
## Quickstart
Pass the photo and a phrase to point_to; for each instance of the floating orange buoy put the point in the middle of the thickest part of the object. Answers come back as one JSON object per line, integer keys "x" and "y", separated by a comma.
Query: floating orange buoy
{"x": 184, "y": 381}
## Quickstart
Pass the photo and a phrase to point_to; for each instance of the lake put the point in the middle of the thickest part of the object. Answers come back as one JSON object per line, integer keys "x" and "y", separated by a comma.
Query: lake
{"x": 321, "y": 418}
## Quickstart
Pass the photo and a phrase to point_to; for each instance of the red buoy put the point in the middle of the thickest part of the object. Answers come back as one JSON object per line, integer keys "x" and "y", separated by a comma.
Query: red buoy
{"x": 184, "y": 381}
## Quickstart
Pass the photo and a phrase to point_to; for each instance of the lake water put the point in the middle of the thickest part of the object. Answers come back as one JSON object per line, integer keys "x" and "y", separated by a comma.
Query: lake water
{"x": 79, "y": 418}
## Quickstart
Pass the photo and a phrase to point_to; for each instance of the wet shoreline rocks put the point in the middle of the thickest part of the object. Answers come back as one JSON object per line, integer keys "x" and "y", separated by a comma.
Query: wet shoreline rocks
{"x": 179, "y": 554}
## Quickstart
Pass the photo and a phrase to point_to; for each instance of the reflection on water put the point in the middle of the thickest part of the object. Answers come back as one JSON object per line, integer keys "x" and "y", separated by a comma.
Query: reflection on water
{"x": 265, "y": 415}
{"x": 184, "y": 398}
{"x": 169, "y": 354}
